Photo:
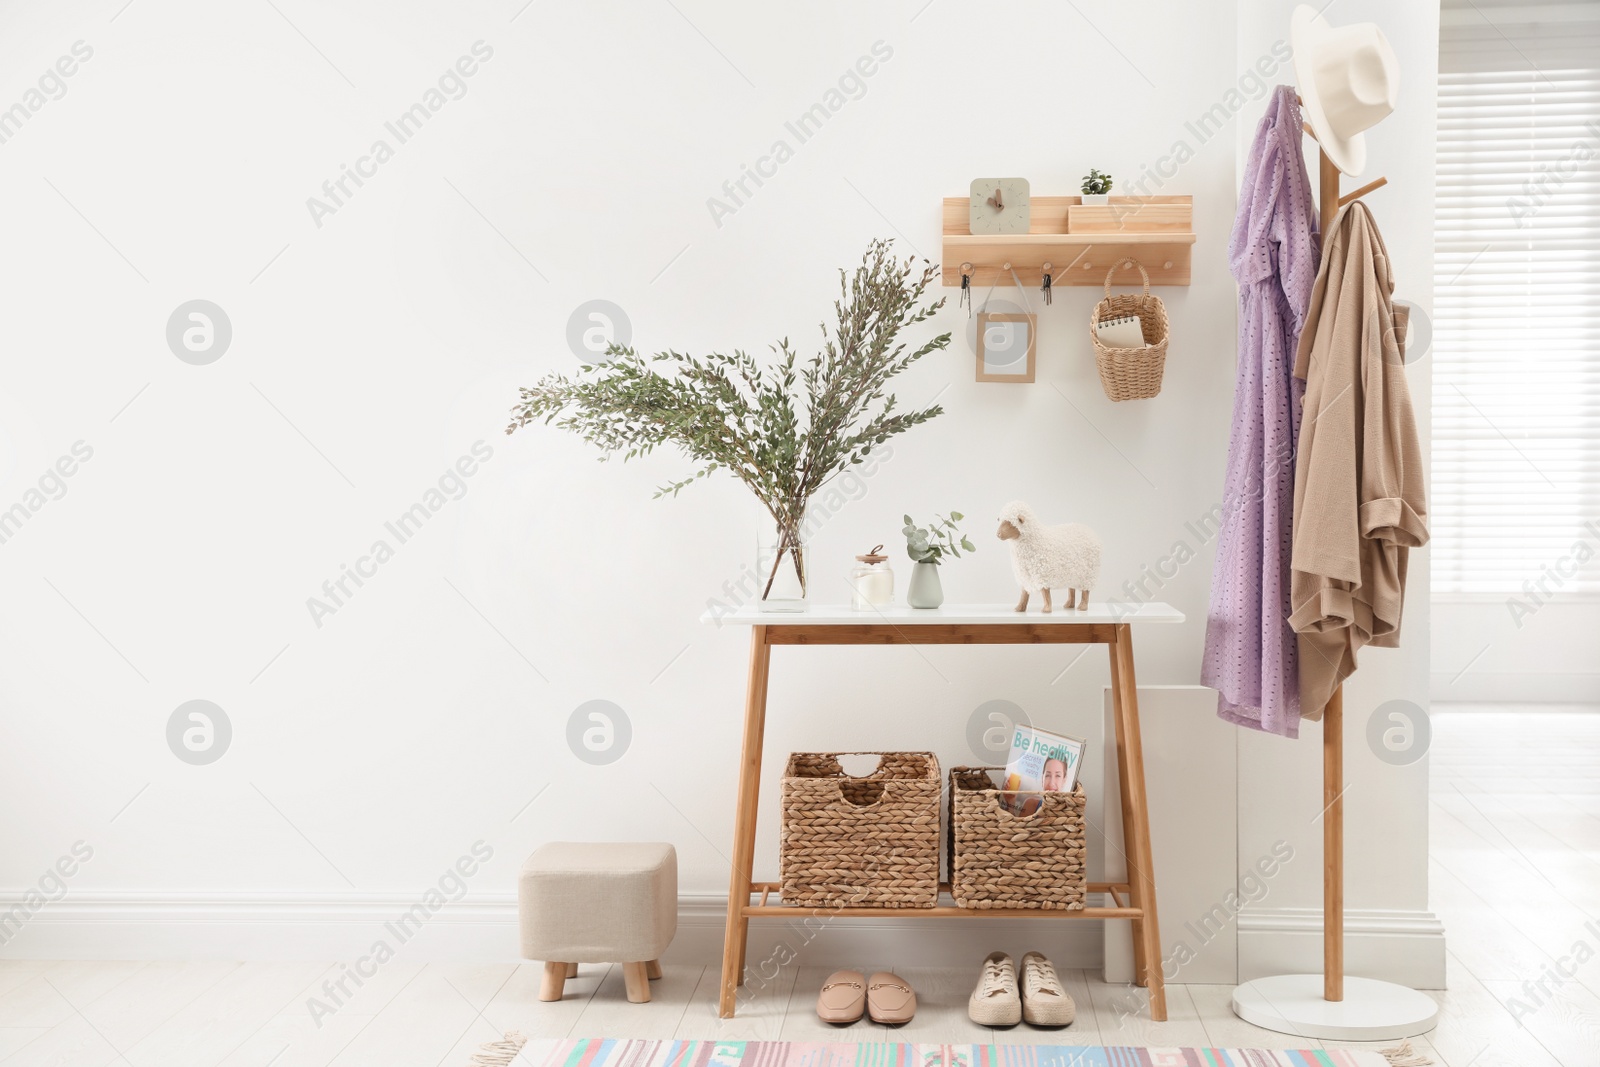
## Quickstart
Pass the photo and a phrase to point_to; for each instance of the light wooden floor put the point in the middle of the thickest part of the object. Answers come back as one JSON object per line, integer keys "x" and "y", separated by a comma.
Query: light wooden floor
{"x": 1515, "y": 877}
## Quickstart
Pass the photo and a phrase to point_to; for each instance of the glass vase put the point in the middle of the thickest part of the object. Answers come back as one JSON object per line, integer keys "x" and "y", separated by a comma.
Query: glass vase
{"x": 782, "y": 570}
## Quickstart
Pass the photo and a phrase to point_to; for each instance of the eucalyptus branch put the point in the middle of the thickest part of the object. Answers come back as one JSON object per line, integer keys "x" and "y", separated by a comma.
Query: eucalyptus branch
{"x": 784, "y": 427}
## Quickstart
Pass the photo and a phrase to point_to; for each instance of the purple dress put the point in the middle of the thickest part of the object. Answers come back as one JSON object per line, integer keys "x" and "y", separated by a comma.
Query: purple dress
{"x": 1251, "y": 653}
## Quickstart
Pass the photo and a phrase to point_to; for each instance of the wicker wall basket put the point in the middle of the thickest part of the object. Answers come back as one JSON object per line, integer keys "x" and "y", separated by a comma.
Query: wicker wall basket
{"x": 869, "y": 842}
{"x": 1001, "y": 860}
{"x": 1131, "y": 373}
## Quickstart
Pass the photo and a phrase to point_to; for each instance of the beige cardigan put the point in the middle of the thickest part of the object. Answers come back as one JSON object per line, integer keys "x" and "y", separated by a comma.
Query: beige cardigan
{"x": 1358, "y": 492}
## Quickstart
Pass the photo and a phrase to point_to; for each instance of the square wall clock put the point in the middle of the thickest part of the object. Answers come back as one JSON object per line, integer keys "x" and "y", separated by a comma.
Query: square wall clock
{"x": 999, "y": 205}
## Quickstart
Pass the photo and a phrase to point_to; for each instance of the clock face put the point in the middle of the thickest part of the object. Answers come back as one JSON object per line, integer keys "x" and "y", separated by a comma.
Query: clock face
{"x": 999, "y": 205}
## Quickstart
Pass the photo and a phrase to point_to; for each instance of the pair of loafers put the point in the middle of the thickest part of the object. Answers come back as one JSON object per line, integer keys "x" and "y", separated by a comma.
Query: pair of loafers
{"x": 885, "y": 998}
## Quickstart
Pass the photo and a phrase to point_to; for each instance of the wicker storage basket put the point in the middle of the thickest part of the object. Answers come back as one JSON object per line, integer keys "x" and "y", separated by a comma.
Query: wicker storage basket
{"x": 861, "y": 842}
{"x": 1131, "y": 373}
{"x": 1001, "y": 860}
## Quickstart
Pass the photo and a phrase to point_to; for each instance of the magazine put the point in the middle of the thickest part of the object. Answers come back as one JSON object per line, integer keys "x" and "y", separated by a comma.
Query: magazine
{"x": 1040, "y": 762}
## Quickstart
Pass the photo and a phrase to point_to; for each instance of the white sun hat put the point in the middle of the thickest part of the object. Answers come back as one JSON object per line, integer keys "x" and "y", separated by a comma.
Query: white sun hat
{"x": 1348, "y": 79}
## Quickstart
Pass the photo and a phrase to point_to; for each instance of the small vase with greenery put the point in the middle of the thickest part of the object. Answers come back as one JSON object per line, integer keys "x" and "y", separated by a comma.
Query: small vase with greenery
{"x": 927, "y": 546}
{"x": 1096, "y": 187}
{"x": 783, "y": 427}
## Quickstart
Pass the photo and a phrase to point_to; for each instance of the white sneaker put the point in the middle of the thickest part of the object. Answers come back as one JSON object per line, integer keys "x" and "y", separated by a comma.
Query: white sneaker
{"x": 995, "y": 1001}
{"x": 1044, "y": 1002}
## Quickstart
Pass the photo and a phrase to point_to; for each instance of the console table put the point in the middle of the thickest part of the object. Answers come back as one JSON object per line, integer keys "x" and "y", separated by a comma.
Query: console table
{"x": 1134, "y": 900}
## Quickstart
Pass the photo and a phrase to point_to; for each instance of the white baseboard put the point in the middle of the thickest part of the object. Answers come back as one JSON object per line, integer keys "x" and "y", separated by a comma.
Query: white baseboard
{"x": 102, "y": 926}
{"x": 1397, "y": 946}
{"x": 1406, "y": 947}
{"x": 109, "y": 925}
{"x": 1505, "y": 687}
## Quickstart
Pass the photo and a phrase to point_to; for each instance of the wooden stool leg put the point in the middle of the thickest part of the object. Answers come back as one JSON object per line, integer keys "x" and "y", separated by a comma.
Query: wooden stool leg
{"x": 1136, "y": 823}
{"x": 652, "y": 969}
{"x": 744, "y": 825}
{"x": 572, "y": 970}
{"x": 634, "y": 976}
{"x": 555, "y": 977}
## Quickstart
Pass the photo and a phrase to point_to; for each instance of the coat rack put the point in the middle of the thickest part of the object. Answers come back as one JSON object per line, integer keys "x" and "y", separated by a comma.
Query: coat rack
{"x": 1328, "y": 204}
{"x": 1353, "y": 1009}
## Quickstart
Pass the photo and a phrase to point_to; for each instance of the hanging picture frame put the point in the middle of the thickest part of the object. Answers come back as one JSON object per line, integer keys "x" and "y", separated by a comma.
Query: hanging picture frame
{"x": 1007, "y": 342}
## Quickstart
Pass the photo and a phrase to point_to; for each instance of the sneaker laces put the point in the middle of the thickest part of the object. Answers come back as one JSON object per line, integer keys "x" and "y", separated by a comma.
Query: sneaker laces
{"x": 1039, "y": 974}
{"x": 997, "y": 978}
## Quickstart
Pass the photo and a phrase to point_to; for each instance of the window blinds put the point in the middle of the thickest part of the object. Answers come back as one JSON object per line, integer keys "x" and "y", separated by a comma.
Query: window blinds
{"x": 1516, "y": 373}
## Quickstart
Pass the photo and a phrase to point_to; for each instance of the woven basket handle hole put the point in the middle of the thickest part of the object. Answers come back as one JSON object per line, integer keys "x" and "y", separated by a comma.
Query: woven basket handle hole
{"x": 1031, "y": 816}
{"x": 859, "y": 764}
{"x": 861, "y": 794}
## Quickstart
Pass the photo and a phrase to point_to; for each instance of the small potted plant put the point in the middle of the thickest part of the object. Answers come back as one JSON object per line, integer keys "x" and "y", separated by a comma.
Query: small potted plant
{"x": 1096, "y": 187}
{"x": 927, "y": 548}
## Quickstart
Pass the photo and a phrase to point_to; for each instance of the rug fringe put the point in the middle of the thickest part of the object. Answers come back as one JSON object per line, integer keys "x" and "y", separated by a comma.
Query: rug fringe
{"x": 499, "y": 1053}
{"x": 1403, "y": 1055}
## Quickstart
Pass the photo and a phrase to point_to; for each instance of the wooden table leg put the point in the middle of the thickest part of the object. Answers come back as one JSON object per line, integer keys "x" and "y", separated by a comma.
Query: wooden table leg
{"x": 744, "y": 826}
{"x": 1130, "y": 848}
{"x": 1136, "y": 822}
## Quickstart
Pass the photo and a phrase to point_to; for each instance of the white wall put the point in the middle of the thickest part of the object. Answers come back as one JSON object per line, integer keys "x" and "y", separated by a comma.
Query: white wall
{"x": 372, "y": 351}
{"x": 1486, "y": 652}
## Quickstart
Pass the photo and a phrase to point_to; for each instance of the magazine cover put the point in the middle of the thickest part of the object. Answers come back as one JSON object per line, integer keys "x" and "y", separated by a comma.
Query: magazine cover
{"x": 1040, "y": 762}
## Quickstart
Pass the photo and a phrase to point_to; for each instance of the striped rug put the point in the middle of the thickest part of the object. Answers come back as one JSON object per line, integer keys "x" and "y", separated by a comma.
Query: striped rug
{"x": 600, "y": 1052}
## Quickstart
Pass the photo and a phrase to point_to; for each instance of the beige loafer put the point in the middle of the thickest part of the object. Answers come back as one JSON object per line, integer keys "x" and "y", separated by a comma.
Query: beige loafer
{"x": 843, "y": 998}
{"x": 1044, "y": 1002}
{"x": 890, "y": 999}
{"x": 995, "y": 1002}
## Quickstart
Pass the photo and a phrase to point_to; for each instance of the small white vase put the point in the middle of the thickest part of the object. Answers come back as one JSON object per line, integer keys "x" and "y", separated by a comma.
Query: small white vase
{"x": 925, "y": 590}
{"x": 1101, "y": 199}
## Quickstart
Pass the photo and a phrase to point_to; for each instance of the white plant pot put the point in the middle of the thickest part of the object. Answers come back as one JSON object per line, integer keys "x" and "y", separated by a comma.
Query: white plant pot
{"x": 925, "y": 590}
{"x": 1101, "y": 199}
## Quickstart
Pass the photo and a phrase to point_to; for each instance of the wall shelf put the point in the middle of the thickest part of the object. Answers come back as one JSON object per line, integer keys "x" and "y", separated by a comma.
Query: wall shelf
{"x": 1080, "y": 242}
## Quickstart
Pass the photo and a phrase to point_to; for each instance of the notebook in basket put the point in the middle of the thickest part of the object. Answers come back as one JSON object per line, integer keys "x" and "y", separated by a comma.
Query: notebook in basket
{"x": 1130, "y": 373}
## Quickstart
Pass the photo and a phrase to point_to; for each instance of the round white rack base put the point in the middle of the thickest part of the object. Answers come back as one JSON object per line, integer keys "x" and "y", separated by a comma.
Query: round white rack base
{"x": 1370, "y": 1010}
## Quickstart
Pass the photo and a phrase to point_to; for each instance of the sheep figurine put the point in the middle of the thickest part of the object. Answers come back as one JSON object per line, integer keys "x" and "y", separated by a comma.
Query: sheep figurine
{"x": 1050, "y": 557}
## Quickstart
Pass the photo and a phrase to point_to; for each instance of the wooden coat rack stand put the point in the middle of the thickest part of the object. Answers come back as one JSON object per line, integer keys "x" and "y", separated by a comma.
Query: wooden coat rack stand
{"x": 1328, "y": 204}
{"x": 1360, "y": 1009}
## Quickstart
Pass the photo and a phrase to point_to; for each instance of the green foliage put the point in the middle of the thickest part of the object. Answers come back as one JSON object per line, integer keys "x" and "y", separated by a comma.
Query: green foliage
{"x": 783, "y": 427}
{"x": 1095, "y": 183}
{"x": 931, "y": 544}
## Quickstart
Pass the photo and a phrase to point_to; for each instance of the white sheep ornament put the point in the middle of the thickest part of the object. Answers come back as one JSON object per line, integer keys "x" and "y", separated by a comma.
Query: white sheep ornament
{"x": 1050, "y": 557}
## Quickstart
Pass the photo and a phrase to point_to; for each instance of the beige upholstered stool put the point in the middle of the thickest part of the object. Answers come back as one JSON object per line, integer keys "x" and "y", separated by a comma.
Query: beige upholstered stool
{"x": 601, "y": 902}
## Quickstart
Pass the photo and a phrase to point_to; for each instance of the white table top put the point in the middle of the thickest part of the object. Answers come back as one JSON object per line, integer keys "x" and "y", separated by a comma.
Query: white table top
{"x": 949, "y": 614}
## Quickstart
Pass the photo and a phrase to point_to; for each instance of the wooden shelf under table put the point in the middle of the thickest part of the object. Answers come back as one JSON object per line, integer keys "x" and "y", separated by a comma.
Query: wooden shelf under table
{"x": 1117, "y": 891}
